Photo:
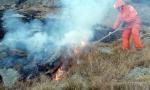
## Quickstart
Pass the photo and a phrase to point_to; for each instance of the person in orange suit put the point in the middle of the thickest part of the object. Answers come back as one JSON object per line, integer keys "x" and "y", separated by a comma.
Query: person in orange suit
{"x": 130, "y": 22}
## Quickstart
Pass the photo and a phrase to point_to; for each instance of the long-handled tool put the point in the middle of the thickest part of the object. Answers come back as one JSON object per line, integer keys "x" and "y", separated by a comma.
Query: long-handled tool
{"x": 105, "y": 36}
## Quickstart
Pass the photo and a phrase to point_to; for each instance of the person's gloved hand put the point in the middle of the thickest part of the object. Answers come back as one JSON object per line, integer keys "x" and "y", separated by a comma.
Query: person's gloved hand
{"x": 124, "y": 24}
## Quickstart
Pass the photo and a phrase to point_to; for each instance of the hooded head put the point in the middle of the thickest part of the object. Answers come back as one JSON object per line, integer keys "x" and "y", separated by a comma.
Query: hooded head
{"x": 119, "y": 5}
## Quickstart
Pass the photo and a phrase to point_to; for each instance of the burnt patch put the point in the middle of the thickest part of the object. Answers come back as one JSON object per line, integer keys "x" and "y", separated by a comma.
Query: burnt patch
{"x": 50, "y": 68}
{"x": 21, "y": 1}
{"x": 145, "y": 2}
{"x": 2, "y": 32}
{"x": 104, "y": 31}
{"x": 145, "y": 23}
{"x": 1, "y": 79}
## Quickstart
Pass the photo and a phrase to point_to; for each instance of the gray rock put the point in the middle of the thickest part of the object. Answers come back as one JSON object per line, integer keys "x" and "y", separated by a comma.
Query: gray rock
{"x": 14, "y": 16}
{"x": 3, "y": 48}
{"x": 77, "y": 76}
{"x": 137, "y": 72}
{"x": 105, "y": 50}
{"x": 3, "y": 55}
{"x": 2, "y": 7}
{"x": 146, "y": 41}
{"x": 13, "y": 6}
{"x": 8, "y": 76}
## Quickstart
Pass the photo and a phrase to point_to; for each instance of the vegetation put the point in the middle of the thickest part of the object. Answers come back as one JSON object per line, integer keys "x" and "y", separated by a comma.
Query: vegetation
{"x": 93, "y": 70}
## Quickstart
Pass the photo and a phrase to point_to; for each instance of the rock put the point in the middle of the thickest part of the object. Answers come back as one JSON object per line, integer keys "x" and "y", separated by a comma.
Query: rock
{"x": 13, "y": 6}
{"x": 146, "y": 41}
{"x": 77, "y": 76}
{"x": 79, "y": 79}
{"x": 14, "y": 16}
{"x": 3, "y": 55}
{"x": 137, "y": 72}
{"x": 2, "y": 7}
{"x": 3, "y": 51}
{"x": 105, "y": 50}
{"x": 8, "y": 76}
{"x": 3, "y": 48}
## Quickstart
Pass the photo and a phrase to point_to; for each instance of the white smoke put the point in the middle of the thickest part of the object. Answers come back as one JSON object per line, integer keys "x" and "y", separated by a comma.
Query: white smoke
{"x": 84, "y": 14}
{"x": 40, "y": 39}
{"x": 80, "y": 16}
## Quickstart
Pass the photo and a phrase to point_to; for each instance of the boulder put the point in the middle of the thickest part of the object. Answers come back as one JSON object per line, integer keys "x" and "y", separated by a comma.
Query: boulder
{"x": 8, "y": 76}
{"x": 105, "y": 50}
{"x": 137, "y": 72}
{"x": 2, "y": 7}
{"x": 146, "y": 41}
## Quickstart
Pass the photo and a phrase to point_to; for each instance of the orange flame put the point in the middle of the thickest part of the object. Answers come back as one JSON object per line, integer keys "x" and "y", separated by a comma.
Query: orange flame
{"x": 59, "y": 74}
{"x": 82, "y": 43}
{"x": 28, "y": 78}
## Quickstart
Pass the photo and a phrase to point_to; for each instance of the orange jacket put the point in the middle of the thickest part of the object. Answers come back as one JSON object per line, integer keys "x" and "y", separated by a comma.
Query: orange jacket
{"x": 128, "y": 14}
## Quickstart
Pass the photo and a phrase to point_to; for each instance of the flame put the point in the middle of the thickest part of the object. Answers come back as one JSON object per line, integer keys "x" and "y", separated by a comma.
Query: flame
{"x": 75, "y": 51}
{"x": 83, "y": 44}
{"x": 59, "y": 74}
{"x": 27, "y": 78}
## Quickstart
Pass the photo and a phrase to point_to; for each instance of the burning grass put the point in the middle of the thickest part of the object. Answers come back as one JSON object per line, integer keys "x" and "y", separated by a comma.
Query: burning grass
{"x": 93, "y": 70}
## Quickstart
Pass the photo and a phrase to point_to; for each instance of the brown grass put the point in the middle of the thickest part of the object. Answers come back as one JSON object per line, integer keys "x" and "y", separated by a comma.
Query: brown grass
{"x": 93, "y": 70}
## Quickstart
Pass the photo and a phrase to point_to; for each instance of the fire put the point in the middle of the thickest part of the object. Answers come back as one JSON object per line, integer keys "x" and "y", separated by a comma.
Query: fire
{"x": 27, "y": 78}
{"x": 59, "y": 74}
{"x": 77, "y": 49}
{"x": 82, "y": 43}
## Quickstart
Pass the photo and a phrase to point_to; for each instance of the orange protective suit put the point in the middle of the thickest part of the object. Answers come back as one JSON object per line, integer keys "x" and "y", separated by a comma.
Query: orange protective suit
{"x": 129, "y": 15}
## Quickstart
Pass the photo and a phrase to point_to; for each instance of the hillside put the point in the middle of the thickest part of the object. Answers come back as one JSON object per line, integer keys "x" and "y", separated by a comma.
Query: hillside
{"x": 48, "y": 46}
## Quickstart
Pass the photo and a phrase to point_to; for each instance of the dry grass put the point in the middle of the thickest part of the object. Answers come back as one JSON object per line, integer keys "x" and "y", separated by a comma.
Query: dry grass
{"x": 93, "y": 70}
{"x": 39, "y": 11}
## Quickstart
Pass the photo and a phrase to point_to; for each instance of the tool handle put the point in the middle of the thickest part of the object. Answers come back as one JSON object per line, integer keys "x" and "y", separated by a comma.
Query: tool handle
{"x": 105, "y": 37}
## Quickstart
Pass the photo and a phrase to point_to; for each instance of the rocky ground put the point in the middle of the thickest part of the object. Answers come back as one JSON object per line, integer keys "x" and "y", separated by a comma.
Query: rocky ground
{"x": 38, "y": 9}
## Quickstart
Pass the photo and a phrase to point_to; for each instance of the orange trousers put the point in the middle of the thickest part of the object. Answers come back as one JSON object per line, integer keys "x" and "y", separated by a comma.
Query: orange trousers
{"x": 132, "y": 30}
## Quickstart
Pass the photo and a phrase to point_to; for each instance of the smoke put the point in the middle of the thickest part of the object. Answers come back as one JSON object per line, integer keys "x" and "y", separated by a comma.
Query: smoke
{"x": 84, "y": 14}
{"x": 39, "y": 39}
